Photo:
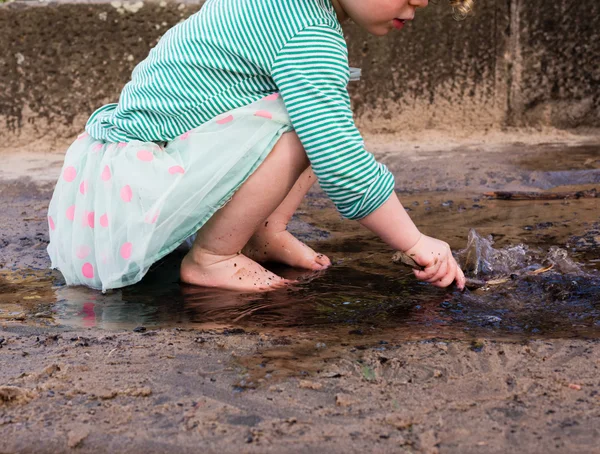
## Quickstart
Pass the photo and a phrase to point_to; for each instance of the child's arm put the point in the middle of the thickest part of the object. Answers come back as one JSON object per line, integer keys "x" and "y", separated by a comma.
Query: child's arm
{"x": 311, "y": 71}
{"x": 312, "y": 74}
{"x": 393, "y": 225}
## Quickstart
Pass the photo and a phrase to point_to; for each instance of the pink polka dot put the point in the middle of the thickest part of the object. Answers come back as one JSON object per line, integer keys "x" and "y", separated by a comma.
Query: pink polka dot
{"x": 82, "y": 136}
{"x": 264, "y": 114}
{"x": 122, "y": 144}
{"x": 225, "y": 120}
{"x": 91, "y": 219}
{"x": 71, "y": 213}
{"x": 126, "y": 193}
{"x": 185, "y": 135}
{"x": 97, "y": 147}
{"x": 272, "y": 97}
{"x": 83, "y": 187}
{"x": 83, "y": 251}
{"x": 126, "y": 250}
{"x": 104, "y": 220}
{"x": 51, "y": 223}
{"x": 152, "y": 217}
{"x": 145, "y": 155}
{"x": 69, "y": 174}
{"x": 87, "y": 270}
{"x": 176, "y": 169}
{"x": 106, "y": 174}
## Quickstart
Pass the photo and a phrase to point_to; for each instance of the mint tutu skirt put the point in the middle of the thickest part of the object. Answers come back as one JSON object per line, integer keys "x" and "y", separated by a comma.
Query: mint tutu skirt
{"x": 119, "y": 207}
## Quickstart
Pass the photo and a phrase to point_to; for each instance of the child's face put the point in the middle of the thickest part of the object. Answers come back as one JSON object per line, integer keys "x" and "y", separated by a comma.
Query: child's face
{"x": 378, "y": 17}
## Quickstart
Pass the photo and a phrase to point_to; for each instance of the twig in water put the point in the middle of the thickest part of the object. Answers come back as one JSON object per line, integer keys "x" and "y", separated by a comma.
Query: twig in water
{"x": 508, "y": 195}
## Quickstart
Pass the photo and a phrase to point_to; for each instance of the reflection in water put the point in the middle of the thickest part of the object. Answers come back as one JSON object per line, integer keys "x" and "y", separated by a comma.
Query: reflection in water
{"x": 364, "y": 293}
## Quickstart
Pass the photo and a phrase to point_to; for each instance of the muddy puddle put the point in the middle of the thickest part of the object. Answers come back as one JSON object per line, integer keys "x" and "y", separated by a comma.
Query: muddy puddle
{"x": 364, "y": 299}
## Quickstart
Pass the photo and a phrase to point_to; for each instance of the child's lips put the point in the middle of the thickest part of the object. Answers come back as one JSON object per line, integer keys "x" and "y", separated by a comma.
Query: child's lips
{"x": 399, "y": 23}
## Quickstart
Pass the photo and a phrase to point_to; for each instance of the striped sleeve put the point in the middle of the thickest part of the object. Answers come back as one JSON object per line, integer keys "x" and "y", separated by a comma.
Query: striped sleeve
{"x": 312, "y": 73}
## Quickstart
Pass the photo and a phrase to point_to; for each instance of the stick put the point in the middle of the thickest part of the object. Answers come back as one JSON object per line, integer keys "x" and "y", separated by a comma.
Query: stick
{"x": 400, "y": 258}
{"x": 508, "y": 195}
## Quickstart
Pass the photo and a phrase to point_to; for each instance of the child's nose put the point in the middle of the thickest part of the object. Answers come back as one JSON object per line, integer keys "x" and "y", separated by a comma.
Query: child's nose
{"x": 418, "y": 3}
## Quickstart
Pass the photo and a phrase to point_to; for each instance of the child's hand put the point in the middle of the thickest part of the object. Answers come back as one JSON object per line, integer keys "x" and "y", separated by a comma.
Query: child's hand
{"x": 440, "y": 266}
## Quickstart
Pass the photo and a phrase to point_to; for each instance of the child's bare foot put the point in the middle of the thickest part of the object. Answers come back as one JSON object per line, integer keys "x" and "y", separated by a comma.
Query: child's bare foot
{"x": 273, "y": 244}
{"x": 237, "y": 272}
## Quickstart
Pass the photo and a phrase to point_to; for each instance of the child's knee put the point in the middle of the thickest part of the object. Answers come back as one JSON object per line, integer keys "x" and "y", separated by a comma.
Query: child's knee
{"x": 290, "y": 144}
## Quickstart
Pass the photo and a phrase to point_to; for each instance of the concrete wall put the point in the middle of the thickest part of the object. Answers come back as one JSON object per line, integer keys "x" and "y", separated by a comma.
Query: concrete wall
{"x": 514, "y": 63}
{"x": 555, "y": 64}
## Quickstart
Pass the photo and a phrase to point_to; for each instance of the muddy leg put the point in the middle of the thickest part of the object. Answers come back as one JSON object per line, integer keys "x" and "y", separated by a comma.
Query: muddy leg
{"x": 215, "y": 259}
{"x": 272, "y": 241}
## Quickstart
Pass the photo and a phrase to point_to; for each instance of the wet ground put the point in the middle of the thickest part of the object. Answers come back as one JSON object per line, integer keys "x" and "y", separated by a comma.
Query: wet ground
{"x": 360, "y": 357}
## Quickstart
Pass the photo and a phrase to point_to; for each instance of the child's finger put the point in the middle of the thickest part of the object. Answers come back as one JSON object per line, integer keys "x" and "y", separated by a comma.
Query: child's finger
{"x": 441, "y": 272}
{"x": 446, "y": 280}
{"x": 428, "y": 272}
{"x": 461, "y": 281}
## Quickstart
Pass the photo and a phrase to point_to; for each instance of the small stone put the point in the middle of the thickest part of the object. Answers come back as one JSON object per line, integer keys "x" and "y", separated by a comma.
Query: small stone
{"x": 14, "y": 394}
{"x": 344, "y": 400}
{"x": 51, "y": 369}
{"x": 6, "y": 420}
{"x": 477, "y": 345}
{"x": 307, "y": 384}
{"x": 139, "y": 329}
{"x": 575, "y": 387}
{"x": 442, "y": 346}
{"x": 398, "y": 421}
{"x": 107, "y": 394}
{"x": 76, "y": 436}
{"x": 138, "y": 392}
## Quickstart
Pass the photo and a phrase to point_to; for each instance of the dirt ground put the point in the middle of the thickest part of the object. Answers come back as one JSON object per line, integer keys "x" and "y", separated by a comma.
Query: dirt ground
{"x": 221, "y": 385}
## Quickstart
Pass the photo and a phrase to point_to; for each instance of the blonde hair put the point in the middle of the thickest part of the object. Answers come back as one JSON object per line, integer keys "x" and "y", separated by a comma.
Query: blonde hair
{"x": 461, "y": 8}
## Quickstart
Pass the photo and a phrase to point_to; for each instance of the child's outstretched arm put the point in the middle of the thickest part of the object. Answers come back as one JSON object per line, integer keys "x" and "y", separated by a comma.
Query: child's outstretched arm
{"x": 393, "y": 225}
{"x": 311, "y": 71}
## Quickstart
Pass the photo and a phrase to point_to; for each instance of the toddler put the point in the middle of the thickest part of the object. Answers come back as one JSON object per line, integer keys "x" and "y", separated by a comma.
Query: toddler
{"x": 220, "y": 133}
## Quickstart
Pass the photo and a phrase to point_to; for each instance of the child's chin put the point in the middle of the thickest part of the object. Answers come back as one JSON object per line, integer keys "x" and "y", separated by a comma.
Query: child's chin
{"x": 380, "y": 30}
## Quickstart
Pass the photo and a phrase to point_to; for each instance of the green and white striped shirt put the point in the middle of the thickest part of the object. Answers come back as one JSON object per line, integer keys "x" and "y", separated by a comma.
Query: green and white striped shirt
{"x": 233, "y": 53}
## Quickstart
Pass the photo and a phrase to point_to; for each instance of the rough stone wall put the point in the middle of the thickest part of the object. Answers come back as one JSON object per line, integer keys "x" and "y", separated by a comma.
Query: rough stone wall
{"x": 556, "y": 72}
{"x": 515, "y": 62}
{"x": 60, "y": 62}
{"x": 435, "y": 73}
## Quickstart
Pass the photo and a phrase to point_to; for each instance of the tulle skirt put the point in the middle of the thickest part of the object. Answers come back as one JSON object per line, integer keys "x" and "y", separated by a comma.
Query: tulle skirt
{"x": 119, "y": 207}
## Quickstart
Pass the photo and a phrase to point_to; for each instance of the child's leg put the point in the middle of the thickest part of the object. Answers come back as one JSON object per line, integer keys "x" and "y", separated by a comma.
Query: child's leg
{"x": 215, "y": 259}
{"x": 272, "y": 242}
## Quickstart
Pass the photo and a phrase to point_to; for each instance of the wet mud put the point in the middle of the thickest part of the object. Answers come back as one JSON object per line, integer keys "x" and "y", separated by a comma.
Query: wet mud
{"x": 358, "y": 357}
